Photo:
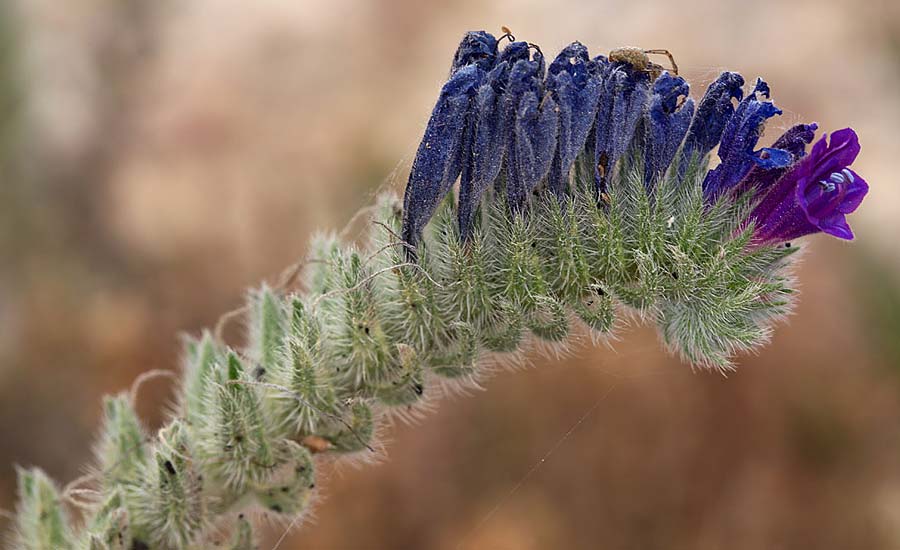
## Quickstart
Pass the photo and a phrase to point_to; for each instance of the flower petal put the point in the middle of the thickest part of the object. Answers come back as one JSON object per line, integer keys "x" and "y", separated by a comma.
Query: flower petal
{"x": 854, "y": 194}
{"x": 768, "y": 158}
{"x": 837, "y": 226}
{"x": 841, "y": 150}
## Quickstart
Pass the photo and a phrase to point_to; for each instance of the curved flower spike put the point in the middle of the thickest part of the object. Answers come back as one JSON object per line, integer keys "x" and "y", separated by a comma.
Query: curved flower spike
{"x": 665, "y": 124}
{"x": 815, "y": 195}
{"x": 531, "y": 138}
{"x": 794, "y": 141}
{"x": 574, "y": 83}
{"x": 440, "y": 156}
{"x": 476, "y": 48}
{"x": 713, "y": 113}
{"x": 622, "y": 102}
{"x": 738, "y": 141}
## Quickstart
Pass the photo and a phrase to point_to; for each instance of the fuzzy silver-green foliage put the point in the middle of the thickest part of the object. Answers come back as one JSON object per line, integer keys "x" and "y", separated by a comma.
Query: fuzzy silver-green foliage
{"x": 373, "y": 332}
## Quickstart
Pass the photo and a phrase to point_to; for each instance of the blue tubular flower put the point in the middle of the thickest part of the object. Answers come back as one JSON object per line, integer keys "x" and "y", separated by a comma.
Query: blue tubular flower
{"x": 440, "y": 156}
{"x": 622, "y": 101}
{"x": 815, "y": 195}
{"x": 738, "y": 141}
{"x": 665, "y": 124}
{"x": 488, "y": 137}
{"x": 531, "y": 135}
{"x": 794, "y": 141}
{"x": 476, "y": 48}
{"x": 574, "y": 83}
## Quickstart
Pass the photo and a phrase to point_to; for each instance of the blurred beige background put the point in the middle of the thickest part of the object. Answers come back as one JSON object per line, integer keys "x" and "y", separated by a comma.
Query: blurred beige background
{"x": 158, "y": 157}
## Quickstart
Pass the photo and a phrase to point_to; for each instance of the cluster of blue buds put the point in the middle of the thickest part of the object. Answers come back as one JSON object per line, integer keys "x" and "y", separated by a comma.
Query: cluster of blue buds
{"x": 505, "y": 118}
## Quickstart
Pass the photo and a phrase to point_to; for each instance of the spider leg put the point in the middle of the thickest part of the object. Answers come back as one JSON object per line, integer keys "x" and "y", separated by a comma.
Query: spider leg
{"x": 668, "y": 54}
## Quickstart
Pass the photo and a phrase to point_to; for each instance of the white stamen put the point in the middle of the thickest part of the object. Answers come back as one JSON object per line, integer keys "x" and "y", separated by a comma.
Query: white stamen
{"x": 837, "y": 177}
{"x": 848, "y": 174}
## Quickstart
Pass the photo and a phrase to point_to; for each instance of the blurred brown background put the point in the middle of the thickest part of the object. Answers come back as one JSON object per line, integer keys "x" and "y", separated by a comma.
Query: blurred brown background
{"x": 158, "y": 157}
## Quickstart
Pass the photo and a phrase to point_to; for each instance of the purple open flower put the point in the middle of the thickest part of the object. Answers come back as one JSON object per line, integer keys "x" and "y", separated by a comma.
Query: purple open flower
{"x": 815, "y": 195}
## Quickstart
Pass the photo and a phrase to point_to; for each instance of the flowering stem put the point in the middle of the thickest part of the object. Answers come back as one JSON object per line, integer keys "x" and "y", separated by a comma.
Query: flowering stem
{"x": 581, "y": 196}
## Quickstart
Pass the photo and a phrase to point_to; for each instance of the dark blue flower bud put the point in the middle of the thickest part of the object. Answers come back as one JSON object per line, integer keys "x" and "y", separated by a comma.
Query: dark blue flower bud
{"x": 622, "y": 101}
{"x": 440, "y": 156}
{"x": 531, "y": 138}
{"x": 487, "y": 150}
{"x": 796, "y": 138}
{"x": 488, "y": 127}
{"x": 713, "y": 113}
{"x": 665, "y": 124}
{"x": 739, "y": 139}
{"x": 476, "y": 48}
{"x": 573, "y": 80}
{"x": 514, "y": 51}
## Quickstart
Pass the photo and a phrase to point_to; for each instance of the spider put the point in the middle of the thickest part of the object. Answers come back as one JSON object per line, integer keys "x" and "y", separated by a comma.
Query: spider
{"x": 640, "y": 60}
